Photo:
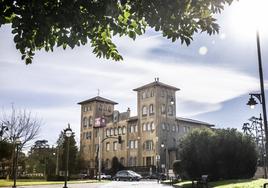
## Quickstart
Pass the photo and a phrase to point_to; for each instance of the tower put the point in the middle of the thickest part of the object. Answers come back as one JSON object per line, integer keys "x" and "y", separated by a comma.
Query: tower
{"x": 156, "y": 105}
{"x": 90, "y": 110}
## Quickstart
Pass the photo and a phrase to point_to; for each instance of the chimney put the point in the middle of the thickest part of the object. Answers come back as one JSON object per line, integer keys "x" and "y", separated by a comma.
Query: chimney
{"x": 128, "y": 112}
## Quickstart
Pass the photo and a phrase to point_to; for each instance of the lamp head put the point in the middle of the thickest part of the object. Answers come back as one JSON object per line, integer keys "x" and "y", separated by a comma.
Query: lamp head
{"x": 252, "y": 102}
{"x": 172, "y": 101}
{"x": 162, "y": 145}
{"x": 68, "y": 131}
{"x": 17, "y": 141}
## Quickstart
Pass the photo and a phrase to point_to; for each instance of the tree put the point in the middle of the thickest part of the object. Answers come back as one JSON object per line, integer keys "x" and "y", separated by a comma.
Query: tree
{"x": 45, "y": 24}
{"x": 221, "y": 154}
{"x": 21, "y": 124}
{"x": 73, "y": 153}
{"x": 116, "y": 166}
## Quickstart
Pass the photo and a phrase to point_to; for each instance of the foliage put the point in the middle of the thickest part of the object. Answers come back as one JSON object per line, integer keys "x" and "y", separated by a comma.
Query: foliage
{"x": 48, "y": 23}
{"x": 73, "y": 153}
{"x": 222, "y": 154}
{"x": 116, "y": 166}
{"x": 41, "y": 159}
{"x": 5, "y": 150}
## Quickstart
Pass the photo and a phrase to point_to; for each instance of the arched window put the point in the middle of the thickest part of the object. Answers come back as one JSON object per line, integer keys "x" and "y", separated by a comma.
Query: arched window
{"x": 144, "y": 126}
{"x": 85, "y": 122}
{"x": 144, "y": 110}
{"x": 163, "y": 109}
{"x": 148, "y": 127}
{"x": 90, "y": 121}
{"x": 112, "y": 132}
{"x": 152, "y": 126}
{"x": 132, "y": 128}
{"x": 107, "y": 132}
{"x": 152, "y": 93}
{"x": 124, "y": 130}
{"x": 167, "y": 126}
{"x": 136, "y": 128}
{"x": 151, "y": 109}
{"x": 173, "y": 128}
{"x": 107, "y": 146}
{"x": 115, "y": 131}
{"x": 119, "y": 130}
{"x": 122, "y": 160}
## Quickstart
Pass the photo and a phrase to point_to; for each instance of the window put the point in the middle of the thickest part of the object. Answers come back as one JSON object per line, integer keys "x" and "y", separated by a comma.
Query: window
{"x": 143, "y": 95}
{"x": 185, "y": 129}
{"x": 152, "y": 93}
{"x": 85, "y": 109}
{"x": 178, "y": 128}
{"x": 148, "y": 145}
{"x": 162, "y": 93}
{"x": 163, "y": 109}
{"x": 131, "y": 144}
{"x": 135, "y": 128}
{"x": 115, "y": 146}
{"x": 85, "y": 122}
{"x": 90, "y": 120}
{"x": 148, "y": 127}
{"x": 144, "y": 110}
{"x": 88, "y": 135}
{"x": 167, "y": 126}
{"x": 119, "y": 130}
{"x": 107, "y": 132}
{"x": 107, "y": 163}
{"x": 108, "y": 146}
{"x": 170, "y": 110}
{"x": 122, "y": 160}
{"x": 131, "y": 128}
{"x": 124, "y": 130}
{"x": 136, "y": 144}
{"x": 152, "y": 126}
{"x": 144, "y": 127}
{"x": 173, "y": 128}
{"x": 151, "y": 109}
{"x": 112, "y": 132}
{"x": 163, "y": 126}
{"x": 115, "y": 131}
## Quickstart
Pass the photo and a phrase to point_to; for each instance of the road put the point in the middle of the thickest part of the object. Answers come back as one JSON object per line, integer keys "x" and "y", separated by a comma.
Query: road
{"x": 112, "y": 184}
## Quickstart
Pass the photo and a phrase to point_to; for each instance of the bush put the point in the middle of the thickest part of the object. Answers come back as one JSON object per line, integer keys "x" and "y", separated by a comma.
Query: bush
{"x": 221, "y": 154}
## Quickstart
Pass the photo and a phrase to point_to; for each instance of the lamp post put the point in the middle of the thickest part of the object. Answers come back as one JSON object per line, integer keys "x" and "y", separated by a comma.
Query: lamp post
{"x": 166, "y": 157}
{"x": 68, "y": 133}
{"x": 260, "y": 96}
{"x": 15, "y": 161}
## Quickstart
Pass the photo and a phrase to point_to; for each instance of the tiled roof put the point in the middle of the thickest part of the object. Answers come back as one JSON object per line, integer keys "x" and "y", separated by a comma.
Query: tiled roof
{"x": 98, "y": 99}
{"x": 156, "y": 83}
{"x": 194, "y": 121}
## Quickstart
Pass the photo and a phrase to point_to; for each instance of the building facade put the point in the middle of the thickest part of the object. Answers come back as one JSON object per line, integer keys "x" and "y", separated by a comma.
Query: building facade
{"x": 149, "y": 139}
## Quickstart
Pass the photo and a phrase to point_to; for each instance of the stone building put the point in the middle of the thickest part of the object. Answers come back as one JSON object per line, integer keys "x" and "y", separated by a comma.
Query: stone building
{"x": 149, "y": 139}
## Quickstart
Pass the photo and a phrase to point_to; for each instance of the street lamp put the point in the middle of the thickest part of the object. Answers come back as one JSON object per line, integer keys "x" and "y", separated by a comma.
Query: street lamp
{"x": 260, "y": 96}
{"x": 166, "y": 158}
{"x": 68, "y": 133}
{"x": 15, "y": 161}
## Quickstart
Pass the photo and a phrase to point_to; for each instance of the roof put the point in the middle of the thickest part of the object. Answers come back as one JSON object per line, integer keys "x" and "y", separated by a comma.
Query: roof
{"x": 194, "y": 121}
{"x": 133, "y": 118}
{"x": 156, "y": 83}
{"x": 98, "y": 99}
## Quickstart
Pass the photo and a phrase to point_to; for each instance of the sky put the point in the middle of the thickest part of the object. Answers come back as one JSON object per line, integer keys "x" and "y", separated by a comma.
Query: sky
{"x": 215, "y": 74}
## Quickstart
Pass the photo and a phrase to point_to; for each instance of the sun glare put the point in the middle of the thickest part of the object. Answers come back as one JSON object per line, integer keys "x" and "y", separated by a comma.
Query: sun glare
{"x": 248, "y": 16}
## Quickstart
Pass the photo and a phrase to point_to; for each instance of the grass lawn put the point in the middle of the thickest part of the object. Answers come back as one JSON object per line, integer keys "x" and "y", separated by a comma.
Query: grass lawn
{"x": 248, "y": 183}
{"x": 5, "y": 183}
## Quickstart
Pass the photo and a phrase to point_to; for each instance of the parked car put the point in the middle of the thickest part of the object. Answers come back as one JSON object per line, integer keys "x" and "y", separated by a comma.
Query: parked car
{"x": 104, "y": 177}
{"x": 127, "y": 175}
